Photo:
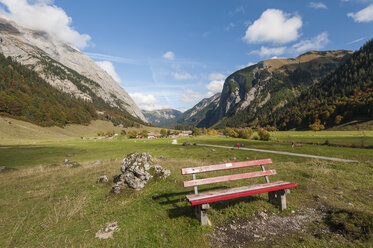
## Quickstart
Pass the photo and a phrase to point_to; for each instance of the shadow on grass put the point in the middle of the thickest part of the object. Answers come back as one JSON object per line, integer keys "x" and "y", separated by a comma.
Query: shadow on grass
{"x": 177, "y": 202}
{"x": 176, "y": 197}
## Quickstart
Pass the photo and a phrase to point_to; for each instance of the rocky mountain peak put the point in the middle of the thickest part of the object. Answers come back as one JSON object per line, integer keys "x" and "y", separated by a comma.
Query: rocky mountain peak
{"x": 46, "y": 55}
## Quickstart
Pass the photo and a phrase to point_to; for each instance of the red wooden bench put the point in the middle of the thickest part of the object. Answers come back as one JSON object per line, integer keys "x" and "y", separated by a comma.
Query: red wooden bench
{"x": 276, "y": 190}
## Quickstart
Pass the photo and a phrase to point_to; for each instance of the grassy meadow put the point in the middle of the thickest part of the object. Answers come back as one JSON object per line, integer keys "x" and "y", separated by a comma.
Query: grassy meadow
{"x": 349, "y": 138}
{"x": 46, "y": 205}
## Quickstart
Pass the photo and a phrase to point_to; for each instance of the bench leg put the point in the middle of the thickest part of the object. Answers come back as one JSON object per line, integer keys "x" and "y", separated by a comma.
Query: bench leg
{"x": 278, "y": 198}
{"x": 201, "y": 214}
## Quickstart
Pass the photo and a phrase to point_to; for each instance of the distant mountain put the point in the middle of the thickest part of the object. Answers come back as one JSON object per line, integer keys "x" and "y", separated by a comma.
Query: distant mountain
{"x": 195, "y": 115}
{"x": 255, "y": 92}
{"x": 162, "y": 117}
{"x": 343, "y": 96}
{"x": 66, "y": 69}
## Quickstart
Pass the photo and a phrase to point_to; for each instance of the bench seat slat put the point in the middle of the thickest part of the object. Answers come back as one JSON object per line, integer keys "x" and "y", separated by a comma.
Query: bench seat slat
{"x": 224, "y": 194}
{"x": 226, "y": 166}
{"x": 228, "y": 178}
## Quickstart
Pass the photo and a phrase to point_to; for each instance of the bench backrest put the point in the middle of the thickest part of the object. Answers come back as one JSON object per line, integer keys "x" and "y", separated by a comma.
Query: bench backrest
{"x": 226, "y": 166}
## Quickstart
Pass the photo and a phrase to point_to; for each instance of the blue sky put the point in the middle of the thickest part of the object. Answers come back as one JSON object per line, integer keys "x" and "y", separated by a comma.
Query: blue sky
{"x": 173, "y": 53}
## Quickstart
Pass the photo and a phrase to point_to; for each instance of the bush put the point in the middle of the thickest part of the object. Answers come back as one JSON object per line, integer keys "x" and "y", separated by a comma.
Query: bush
{"x": 144, "y": 133}
{"x": 263, "y": 134}
{"x": 132, "y": 134}
{"x": 317, "y": 126}
{"x": 163, "y": 132}
{"x": 196, "y": 131}
{"x": 338, "y": 119}
{"x": 271, "y": 128}
{"x": 245, "y": 133}
{"x": 212, "y": 132}
{"x": 109, "y": 133}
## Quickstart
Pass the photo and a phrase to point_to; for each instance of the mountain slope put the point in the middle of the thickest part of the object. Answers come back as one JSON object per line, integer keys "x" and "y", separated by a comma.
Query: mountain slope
{"x": 162, "y": 117}
{"x": 343, "y": 96}
{"x": 26, "y": 96}
{"x": 256, "y": 91}
{"x": 63, "y": 66}
{"x": 196, "y": 115}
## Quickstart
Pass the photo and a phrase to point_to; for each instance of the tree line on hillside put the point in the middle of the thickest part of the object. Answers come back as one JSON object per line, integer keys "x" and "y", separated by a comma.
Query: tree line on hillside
{"x": 342, "y": 96}
{"x": 26, "y": 96}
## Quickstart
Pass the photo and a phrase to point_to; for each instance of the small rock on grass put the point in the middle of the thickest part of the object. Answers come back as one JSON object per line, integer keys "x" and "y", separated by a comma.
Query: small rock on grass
{"x": 108, "y": 231}
{"x": 102, "y": 179}
{"x": 98, "y": 162}
{"x": 6, "y": 169}
{"x": 70, "y": 164}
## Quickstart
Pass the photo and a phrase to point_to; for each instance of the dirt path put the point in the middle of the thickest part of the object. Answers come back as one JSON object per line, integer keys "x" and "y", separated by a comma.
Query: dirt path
{"x": 283, "y": 153}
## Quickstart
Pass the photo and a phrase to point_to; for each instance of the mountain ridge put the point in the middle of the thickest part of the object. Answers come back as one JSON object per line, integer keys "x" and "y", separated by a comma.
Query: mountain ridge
{"x": 253, "y": 92}
{"x": 161, "y": 117}
{"x": 343, "y": 96}
{"x": 41, "y": 53}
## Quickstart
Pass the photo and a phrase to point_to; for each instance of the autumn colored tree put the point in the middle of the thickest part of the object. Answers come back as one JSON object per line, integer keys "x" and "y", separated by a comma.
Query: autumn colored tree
{"x": 317, "y": 126}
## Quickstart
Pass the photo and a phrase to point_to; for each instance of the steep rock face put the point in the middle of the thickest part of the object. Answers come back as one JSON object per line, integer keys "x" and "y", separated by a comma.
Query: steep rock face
{"x": 161, "y": 117}
{"x": 256, "y": 91}
{"x": 56, "y": 61}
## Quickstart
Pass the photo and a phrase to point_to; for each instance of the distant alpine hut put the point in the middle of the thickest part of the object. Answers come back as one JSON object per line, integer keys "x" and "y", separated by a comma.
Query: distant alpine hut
{"x": 186, "y": 133}
{"x": 153, "y": 136}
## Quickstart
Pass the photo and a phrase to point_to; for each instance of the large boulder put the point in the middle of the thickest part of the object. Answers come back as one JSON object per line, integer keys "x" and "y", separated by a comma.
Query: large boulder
{"x": 137, "y": 169}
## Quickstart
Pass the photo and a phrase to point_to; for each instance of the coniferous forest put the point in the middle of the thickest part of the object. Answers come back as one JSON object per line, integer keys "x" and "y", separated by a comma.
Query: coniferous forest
{"x": 342, "y": 96}
{"x": 25, "y": 95}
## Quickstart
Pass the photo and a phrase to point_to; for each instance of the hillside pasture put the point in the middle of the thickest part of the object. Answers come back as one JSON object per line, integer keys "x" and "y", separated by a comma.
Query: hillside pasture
{"x": 43, "y": 204}
{"x": 347, "y": 138}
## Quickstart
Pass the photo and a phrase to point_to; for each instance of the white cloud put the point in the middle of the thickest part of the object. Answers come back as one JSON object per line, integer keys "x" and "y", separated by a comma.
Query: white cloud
{"x": 269, "y": 51}
{"x": 240, "y": 9}
{"x": 230, "y": 26}
{"x": 315, "y": 43}
{"x": 274, "y": 26}
{"x": 147, "y": 101}
{"x": 217, "y": 76}
{"x": 109, "y": 68}
{"x": 169, "y": 55}
{"x": 364, "y": 15}
{"x": 182, "y": 76}
{"x": 113, "y": 58}
{"x": 215, "y": 86}
{"x": 43, "y": 15}
{"x": 193, "y": 97}
{"x": 356, "y": 41}
{"x": 317, "y": 5}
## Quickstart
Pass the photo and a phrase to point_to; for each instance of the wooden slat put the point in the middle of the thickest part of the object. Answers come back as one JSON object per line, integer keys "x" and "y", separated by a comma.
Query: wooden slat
{"x": 237, "y": 192}
{"x": 226, "y": 166}
{"x": 233, "y": 190}
{"x": 228, "y": 178}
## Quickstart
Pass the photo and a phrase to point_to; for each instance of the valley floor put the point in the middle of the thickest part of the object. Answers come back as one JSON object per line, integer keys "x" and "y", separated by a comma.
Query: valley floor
{"x": 43, "y": 204}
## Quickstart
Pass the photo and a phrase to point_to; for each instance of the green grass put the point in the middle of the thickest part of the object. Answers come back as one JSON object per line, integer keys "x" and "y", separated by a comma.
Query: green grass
{"x": 358, "y": 138}
{"x": 46, "y": 206}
